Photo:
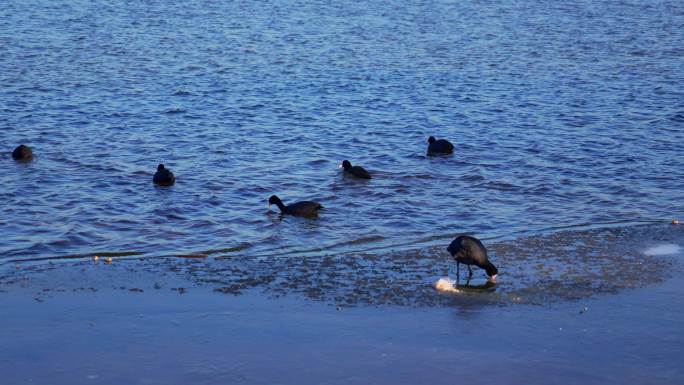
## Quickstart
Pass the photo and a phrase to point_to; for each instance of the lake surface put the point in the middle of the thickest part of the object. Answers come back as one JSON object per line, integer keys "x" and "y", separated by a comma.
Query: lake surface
{"x": 114, "y": 338}
{"x": 561, "y": 114}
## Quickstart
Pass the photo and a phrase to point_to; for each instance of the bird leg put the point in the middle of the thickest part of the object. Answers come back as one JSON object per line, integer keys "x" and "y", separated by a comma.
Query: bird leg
{"x": 458, "y": 270}
{"x": 470, "y": 272}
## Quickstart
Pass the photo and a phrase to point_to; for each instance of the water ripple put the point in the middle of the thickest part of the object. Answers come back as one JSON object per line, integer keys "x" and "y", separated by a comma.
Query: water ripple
{"x": 564, "y": 113}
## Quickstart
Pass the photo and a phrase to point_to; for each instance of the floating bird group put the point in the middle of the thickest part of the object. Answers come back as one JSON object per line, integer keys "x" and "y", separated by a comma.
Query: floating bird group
{"x": 464, "y": 249}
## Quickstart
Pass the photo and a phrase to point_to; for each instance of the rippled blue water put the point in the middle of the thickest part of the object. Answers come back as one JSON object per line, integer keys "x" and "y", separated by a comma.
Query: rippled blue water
{"x": 561, "y": 113}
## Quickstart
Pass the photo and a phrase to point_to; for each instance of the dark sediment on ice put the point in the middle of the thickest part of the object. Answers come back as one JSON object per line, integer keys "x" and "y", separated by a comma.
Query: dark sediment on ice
{"x": 539, "y": 269}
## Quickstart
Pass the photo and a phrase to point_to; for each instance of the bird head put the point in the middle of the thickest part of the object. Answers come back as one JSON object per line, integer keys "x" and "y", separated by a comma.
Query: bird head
{"x": 273, "y": 200}
{"x": 492, "y": 271}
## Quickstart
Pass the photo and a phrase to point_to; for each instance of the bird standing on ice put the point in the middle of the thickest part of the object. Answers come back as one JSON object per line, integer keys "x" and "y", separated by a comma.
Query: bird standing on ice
{"x": 470, "y": 251}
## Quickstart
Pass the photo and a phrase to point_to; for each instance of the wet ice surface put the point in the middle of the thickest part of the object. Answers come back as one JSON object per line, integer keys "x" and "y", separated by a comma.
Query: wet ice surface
{"x": 666, "y": 249}
{"x": 540, "y": 269}
{"x": 333, "y": 319}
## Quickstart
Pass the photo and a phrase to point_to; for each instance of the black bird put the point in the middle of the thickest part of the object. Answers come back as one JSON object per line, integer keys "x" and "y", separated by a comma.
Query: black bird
{"x": 163, "y": 176}
{"x": 437, "y": 147}
{"x": 301, "y": 209}
{"x": 469, "y": 250}
{"x": 22, "y": 153}
{"x": 356, "y": 171}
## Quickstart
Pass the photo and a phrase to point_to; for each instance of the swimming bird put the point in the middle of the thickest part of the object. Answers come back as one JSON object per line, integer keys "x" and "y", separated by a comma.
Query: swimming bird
{"x": 22, "y": 153}
{"x": 356, "y": 171}
{"x": 301, "y": 209}
{"x": 436, "y": 147}
{"x": 470, "y": 251}
{"x": 163, "y": 176}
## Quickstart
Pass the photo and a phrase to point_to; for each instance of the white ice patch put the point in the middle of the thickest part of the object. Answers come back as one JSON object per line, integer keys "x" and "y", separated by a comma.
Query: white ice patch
{"x": 663, "y": 249}
{"x": 446, "y": 285}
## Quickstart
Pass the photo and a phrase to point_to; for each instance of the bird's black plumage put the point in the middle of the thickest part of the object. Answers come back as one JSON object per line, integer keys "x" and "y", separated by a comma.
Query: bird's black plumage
{"x": 163, "y": 176}
{"x": 356, "y": 171}
{"x": 301, "y": 209}
{"x": 437, "y": 147}
{"x": 22, "y": 152}
{"x": 470, "y": 251}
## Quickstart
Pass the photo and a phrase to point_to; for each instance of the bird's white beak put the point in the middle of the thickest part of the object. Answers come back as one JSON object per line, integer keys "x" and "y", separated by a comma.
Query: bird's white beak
{"x": 340, "y": 166}
{"x": 493, "y": 277}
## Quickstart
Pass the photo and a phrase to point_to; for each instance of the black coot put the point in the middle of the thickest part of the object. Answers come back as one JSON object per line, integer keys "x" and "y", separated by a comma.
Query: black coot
{"x": 301, "y": 209}
{"x": 470, "y": 251}
{"x": 356, "y": 171}
{"x": 22, "y": 153}
{"x": 438, "y": 147}
{"x": 163, "y": 176}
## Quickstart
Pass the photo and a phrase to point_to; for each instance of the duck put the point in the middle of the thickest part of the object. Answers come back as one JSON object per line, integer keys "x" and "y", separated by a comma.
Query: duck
{"x": 470, "y": 251}
{"x": 300, "y": 209}
{"x": 163, "y": 176}
{"x": 437, "y": 147}
{"x": 356, "y": 171}
{"x": 22, "y": 152}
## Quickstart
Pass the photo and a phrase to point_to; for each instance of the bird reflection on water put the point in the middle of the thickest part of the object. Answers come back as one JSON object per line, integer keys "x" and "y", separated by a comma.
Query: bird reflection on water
{"x": 487, "y": 286}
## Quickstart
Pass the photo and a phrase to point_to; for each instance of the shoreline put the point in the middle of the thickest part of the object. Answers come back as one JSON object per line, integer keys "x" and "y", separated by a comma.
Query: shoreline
{"x": 536, "y": 269}
{"x": 372, "y": 244}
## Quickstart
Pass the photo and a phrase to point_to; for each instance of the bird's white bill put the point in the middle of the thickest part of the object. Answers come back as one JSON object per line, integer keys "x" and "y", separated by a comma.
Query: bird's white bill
{"x": 493, "y": 277}
{"x": 340, "y": 166}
